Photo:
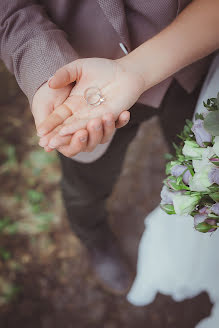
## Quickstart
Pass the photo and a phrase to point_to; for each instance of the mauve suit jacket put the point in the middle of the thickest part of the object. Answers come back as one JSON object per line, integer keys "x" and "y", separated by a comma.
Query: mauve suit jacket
{"x": 38, "y": 37}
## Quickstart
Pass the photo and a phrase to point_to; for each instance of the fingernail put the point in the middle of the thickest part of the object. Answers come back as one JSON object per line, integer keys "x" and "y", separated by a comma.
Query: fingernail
{"x": 97, "y": 127}
{"x": 52, "y": 146}
{"x": 83, "y": 139}
{"x": 43, "y": 143}
{"x": 109, "y": 123}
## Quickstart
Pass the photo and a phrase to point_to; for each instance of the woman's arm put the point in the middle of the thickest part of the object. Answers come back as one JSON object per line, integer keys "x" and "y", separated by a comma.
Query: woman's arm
{"x": 191, "y": 36}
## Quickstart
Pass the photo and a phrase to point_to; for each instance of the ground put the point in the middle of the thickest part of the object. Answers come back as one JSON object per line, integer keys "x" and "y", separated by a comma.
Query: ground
{"x": 45, "y": 279}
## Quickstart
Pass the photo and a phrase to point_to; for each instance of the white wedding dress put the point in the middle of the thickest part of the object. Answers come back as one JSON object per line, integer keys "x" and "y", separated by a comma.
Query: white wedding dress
{"x": 174, "y": 259}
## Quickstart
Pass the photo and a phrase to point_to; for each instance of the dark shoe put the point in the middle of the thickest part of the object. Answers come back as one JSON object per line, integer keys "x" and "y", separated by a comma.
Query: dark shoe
{"x": 109, "y": 265}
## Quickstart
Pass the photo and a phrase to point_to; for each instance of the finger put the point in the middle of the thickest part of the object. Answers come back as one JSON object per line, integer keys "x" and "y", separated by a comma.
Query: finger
{"x": 123, "y": 119}
{"x": 40, "y": 114}
{"x": 44, "y": 141}
{"x": 48, "y": 149}
{"x": 108, "y": 127}
{"x": 95, "y": 133}
{"x": 47, "y": 140}
{"x": 58, "y": 141}
{"x": 78, "y": 143}
{"x": 58, "y": 116}
{"x": 72, "y": 125}
{"x": 65, "y": 75}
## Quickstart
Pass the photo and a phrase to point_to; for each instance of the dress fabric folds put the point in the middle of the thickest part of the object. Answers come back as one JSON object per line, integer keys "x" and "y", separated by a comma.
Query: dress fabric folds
{"x": 174, "y": 259}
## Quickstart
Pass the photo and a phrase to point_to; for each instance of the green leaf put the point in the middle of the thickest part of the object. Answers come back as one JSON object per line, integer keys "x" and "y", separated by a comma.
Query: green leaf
{"x": 189, "y": 123}
{"x": 215, "y": 160}
{"x": 207, "y": 144}
{"x": 168, "y": 156}
{"x": 179, "y": 179}
{"x": 168, "y": 208}
{"x": 199, "y": 116}
{"x": 215, "y": 196}
{"x": 213, "y": 188}
{"x": 203, "y": 227}
{"x": 171, "y": 182}
{"x": 214, "y": 216}
{"x": 168, "y": 168}
{"x": 212, "y": 104}
{"x": 211, "y": 123}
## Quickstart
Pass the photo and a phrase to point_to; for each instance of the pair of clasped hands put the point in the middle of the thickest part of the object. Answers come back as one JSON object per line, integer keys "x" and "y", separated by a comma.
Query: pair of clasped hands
{"x": 63, "y": 118}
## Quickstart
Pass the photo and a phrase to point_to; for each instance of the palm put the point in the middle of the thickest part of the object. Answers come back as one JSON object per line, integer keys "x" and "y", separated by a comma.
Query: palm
{"x": 119, "y": 88}
{"x": 46, "y": 100}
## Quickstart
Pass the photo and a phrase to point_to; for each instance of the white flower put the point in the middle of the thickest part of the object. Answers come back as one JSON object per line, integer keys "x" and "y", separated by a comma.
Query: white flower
{"x": 200, "y": 181}
{"x": 185, "y": 204}
{"x": 192, "y": 149}
{"x": 216, "y": 146}
{"x": 198, "y": 164}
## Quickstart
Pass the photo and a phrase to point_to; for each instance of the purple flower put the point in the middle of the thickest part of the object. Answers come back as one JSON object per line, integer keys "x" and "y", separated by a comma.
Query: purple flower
{"x": 204, "y": 210}
{"x": 167, "y": 195}
{"x": 212, "y": 222}
{"x": 215, "y": 161}
{"x": 199, "y": 218}
{"x": 214, "y": 175}
{"x": 215, "y": 208}
{"x": 177, "y": 170}
{"x": 202, "y": 223}
{"x": 201, "y": 135}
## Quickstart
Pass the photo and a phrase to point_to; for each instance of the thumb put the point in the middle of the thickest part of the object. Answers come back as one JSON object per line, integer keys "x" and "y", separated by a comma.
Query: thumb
{"x": 65, "y": 75}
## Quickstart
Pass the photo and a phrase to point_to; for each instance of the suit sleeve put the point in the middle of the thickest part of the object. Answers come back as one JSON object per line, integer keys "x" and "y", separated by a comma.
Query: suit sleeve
{"x": 31, "y": 46}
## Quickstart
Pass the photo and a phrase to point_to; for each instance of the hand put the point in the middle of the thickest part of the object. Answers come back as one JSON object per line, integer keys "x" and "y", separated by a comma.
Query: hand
{"x": 46, "y": 100}
{"x": 97, "y": 131}
{"x": 120, "y": 87}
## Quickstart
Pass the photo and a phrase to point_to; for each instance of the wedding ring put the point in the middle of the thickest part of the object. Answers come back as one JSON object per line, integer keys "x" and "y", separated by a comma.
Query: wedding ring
{"x": 93, "y": 96}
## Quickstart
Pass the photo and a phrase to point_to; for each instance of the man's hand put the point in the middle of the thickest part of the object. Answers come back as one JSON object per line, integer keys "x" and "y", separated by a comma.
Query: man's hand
{"x": 46, "y": 100}
{"x": 121, "y": 89}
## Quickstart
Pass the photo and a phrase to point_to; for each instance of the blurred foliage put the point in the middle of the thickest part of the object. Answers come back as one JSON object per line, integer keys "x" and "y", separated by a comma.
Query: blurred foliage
{"x": 8, "y": 291}
{"x": 30, "y": 203}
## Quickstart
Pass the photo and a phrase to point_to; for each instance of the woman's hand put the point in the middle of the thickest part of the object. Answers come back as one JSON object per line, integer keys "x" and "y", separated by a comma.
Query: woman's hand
{"x": 97, "y": 131}
{"x": 120, "y": 88}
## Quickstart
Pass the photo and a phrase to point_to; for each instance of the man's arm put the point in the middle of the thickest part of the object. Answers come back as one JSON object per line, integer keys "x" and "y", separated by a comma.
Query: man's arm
{"x": 191, "y": 36}
{"x": 31, "y": 46}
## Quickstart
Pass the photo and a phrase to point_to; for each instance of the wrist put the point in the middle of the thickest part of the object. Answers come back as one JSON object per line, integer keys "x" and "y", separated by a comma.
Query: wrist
{"x": 127, "y": 64}
{"x": 140, "y": 62}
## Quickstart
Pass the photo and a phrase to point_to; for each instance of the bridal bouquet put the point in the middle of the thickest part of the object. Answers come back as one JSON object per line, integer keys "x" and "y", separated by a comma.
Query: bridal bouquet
{"x": 192, "y": 183}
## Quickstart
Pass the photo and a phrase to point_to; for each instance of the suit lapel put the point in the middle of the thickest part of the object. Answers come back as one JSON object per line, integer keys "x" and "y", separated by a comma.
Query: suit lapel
{"x": 115, "y": 12}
